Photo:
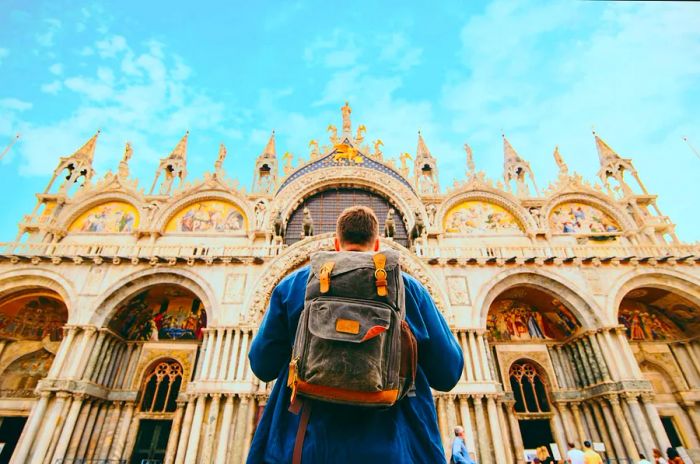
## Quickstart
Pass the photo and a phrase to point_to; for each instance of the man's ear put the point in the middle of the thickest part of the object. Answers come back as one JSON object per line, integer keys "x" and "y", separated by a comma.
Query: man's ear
{"x": 376, "y": 244}
{"x": 336, "y": 243}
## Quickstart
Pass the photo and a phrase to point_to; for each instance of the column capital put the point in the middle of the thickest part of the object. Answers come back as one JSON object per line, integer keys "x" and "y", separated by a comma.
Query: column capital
{"x": 45, "y": 394}
{"x": 63, "y": 394}
{"x": 614, "y": 399}
{"x": 647, "y": 397}
{"x": 631, "y": 397}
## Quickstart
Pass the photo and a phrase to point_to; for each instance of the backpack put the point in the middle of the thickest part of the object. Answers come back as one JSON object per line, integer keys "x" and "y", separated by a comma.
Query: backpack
{"x": 353, "y": 345}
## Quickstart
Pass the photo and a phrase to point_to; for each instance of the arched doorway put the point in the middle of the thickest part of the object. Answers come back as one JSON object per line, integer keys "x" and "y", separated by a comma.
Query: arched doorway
{"x": 663, "y": 329}
{"x": 31, "y": 330}
{"x": 157, "y": 404}
{"x": 326, "y": 206}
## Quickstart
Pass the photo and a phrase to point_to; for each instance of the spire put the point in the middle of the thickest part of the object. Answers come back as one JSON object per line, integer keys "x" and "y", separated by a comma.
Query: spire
{"x": 79, "y": 164}
{"x": 425, "y": 169}
{"x": 270, "y": 151}
{"x": 605, "y": 153}
{"x": 515, "y": 168}
{"x": 180, "y": 150}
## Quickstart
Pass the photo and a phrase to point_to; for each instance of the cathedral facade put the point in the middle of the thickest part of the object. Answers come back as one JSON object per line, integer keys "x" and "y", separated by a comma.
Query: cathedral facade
{"x": 126, "y": 314}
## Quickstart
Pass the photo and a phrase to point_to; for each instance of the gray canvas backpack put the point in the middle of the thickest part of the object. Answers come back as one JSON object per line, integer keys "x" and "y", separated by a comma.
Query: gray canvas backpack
{"x": 353, "y": 345}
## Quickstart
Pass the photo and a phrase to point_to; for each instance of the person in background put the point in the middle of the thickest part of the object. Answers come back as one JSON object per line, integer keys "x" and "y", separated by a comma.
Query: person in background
{"x": 460, "y": 453}
{"x": 673, "y": 457}
{"x": 659, "y": 456}
{"x": 574, "y": 455}
{"x": 543, "y": 455}
{"x": 590, "y": 456}
{"x": 643, "y": 459}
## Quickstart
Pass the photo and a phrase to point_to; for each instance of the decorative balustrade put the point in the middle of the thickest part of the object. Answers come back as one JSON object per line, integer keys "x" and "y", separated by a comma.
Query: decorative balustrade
{"x": 659, "y": 253}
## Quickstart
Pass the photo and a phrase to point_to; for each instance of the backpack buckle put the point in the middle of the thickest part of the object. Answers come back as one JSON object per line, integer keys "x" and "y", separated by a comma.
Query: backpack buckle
{"x": 380, "y": 274}
{"x": 325, "y": 276}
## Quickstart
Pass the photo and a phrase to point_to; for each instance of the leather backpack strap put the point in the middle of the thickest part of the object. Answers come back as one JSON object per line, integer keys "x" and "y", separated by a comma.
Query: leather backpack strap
{"x": 301, "y": 432}
{"x": 325, "y": 276}
{"x": 380, "y": 273}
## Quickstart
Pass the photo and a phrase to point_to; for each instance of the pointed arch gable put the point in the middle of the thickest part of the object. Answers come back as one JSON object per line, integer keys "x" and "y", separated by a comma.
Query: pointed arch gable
{"x": 579, "y": 303}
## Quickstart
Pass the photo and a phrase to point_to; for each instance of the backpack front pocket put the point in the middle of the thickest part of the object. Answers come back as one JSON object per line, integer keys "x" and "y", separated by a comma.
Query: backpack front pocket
{"x": 346, "y": 343}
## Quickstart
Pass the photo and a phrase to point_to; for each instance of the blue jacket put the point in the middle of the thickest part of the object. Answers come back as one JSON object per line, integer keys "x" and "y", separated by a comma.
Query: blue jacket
{"x": 405, "y": 433}
{"x": 460, "y": 453}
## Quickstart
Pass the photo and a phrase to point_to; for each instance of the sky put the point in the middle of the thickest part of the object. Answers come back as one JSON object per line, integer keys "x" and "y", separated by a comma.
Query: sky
{"x": 544, "y": 73}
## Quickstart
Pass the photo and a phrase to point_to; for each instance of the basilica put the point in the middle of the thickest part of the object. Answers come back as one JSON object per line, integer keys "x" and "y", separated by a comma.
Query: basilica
{"x": 127, "y": 310}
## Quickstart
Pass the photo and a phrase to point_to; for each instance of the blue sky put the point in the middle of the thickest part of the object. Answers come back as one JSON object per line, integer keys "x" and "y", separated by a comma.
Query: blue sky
{"x": 544, "y": 73}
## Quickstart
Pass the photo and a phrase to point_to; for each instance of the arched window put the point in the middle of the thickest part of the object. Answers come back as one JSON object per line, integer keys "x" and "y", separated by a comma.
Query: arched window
{"x": 161, "y": 387}
{"x": 528, "y": 388}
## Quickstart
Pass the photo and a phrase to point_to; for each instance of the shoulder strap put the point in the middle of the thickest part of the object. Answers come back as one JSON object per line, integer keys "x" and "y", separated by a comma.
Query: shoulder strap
{"x": 380, "y": 273}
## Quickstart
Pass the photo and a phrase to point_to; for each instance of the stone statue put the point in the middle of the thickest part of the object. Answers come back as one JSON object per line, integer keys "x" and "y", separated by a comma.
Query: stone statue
{"x": 287, "y": 168}
{"x": 418, "y": 228}
{"x": 360, "y": 136}
{"x": 278, "y": 228}
{"x": 378, "y": 151}
{"x": 314, "y": 149}
{"x": 470, "y": 160}
{"x": 431, "y": 209}
{"x": 333, "y": 134}
{"x": 124, "y": 163}
{"x": 347, "y": 125}
{"x": 260, "y": 209}
{"x": 536, "y": 216}
{"x": 563, "y": 168}
{"x": 220, "y": 160}
{"x": 389, "y": 225}
{"x": 307, "y": 224}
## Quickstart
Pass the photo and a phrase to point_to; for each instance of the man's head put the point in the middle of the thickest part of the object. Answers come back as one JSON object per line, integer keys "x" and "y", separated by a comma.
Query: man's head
{"x": 571, "y": 445}
{"x": 459, "y": 431}
{"x": 357, "y": 230}
{"x": 586, "y": 444}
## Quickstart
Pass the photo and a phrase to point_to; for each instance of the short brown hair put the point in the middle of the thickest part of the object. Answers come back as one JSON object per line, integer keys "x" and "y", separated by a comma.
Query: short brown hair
{"x": 357, "y": 225}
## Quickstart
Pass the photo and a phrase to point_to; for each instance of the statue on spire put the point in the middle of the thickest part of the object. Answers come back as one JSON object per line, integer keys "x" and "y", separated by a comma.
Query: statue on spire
{"x": 347, "y": 125}
{"x": 124, "y": 163}
{"x": 563, "y": 168}
{"x": 471, "y": 168}
{"x": 218, "y": 165}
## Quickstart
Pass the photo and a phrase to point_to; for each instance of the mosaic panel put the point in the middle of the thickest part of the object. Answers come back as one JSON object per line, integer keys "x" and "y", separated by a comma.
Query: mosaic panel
{"x": 112, "y": 217}
{"x": 654, "y": 314}
{"x": 210, "y": 216}
{"x": 161, "y": 313}
{"x": 580, "y": 218}
{"x": 480, "y": 217}
{"x": 32, "y": 316}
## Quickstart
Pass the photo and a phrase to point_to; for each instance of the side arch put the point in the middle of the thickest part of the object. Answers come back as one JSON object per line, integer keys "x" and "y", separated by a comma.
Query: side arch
{"x": 573, "y": 298}
{"x": 28, "y": 278}
{"x": 666, "y": 279}
{"x": 105, "y": 308}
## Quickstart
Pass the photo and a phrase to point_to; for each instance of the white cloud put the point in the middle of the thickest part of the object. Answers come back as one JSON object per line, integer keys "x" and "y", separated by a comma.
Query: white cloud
{"x": 399, "y": 52}
{"x": 111, "y": 46}
{"x": 14, "y": 104}
{"x": 56, "y": 69}
{"x": 4, "y": 53}
{"x": 46, "y": 37}
{"x": 52, "y": 88}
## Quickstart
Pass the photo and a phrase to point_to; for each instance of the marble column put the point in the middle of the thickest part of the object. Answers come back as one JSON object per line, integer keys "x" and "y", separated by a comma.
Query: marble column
{"x": 641, "y": 423}
{"x": 224, "y": 434}
{"x": 468, "y": 363}
{"x": 98, "y": 359}
{"x": 217, "y": 355}
{"x": 578, "y": 422}
{"x": 507, "y": 447}
{"x": 566, "y": 366}
{"x": 496, "y": 436}
{"x": 516, "y": 438}
{"x": 239, "y": 432}
{"x": 230, "y": 374}
{"x": 242, "y": 355}
{"x": 185, "y": 432}
{"x": 30, "y": 429}
{"x": 210, "y": 427}
{"x": 68, "y": 426}
{"x": 60, "y": 423}
{"x": 193, "y": 443}
{"x": 603, "y": 428}
{"x": 634, "y": 428}
{"x": 593, "y": 361}
{"x": 110, "y": 429}
{"x": 558, "y": 369}
{"x": 77, "y": 436}
{"x": 656, "y": 425}
{"x": 208, "y": 353}
{"x": 451, "y": 417}
{"x": 174, "y": 433}
{"x": 57, "y": 365}
{"x": 693, "y": 357}
{"x": 569, "y": 427}
{"x": 600, "y": 360}
{"x": 615, "y": 352}
{"x": 442, "y": 420}
{"x": 476, "y": 360}
{"x": 582, "y": 361}
{"x": 51, "y": 421}
{"x": 483, "y": 358}
{"x": 621, "y": 422}
{"x": 576, "y": 367}
{"x": 467, "y": 423}
{"x": 97, "y": 429}
{"x": 131, "y": 438}
{"x": 609, "y": 358}
{"x": 250, "y": 418}
{"x": 619, "y": 449}
{"x": 482, "y": 431}
{"x": 226, "y": 357}
{"x": 692, "y": 412}
{"x": 627, "y": 351}
{"x": 593, "y": 432}
{"x": 108, "y": 363}
{"x": 83, "y": 353}
{"x": 122, "y": 430}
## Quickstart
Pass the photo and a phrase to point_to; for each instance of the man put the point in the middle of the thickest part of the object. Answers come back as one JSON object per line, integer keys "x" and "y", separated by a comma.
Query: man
{"x": 460, "y": 454}
{"x": 590, "y": 456}
{"x": 574, "y": 455}
{"x": 406, "y": 432}
{"x": 643, "y": 459}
